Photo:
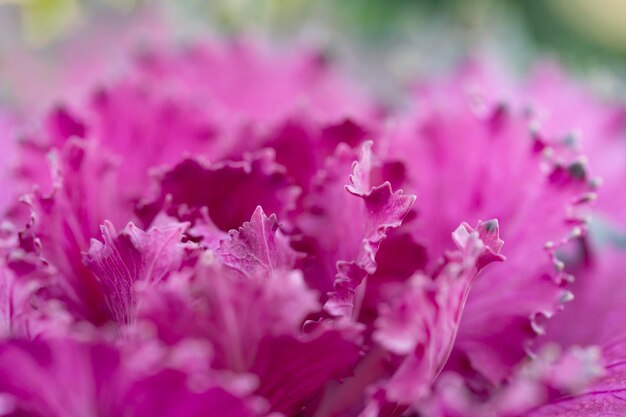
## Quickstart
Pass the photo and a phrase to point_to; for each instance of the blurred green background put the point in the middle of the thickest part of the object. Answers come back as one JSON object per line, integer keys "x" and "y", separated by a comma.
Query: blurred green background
{"x": 389, "y": 42}
{"x": 574, "y": 29}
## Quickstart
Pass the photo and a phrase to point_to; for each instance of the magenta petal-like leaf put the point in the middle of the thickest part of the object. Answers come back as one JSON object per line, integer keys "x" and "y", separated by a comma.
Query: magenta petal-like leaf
{"x": 357, "y": 215}
{"x": 230, "y": 191}
{"x": 133, "y": 256}
{"x": 93, "y": 378}
{"x": 421, "y": 318}
{"x": 258, "y": 248}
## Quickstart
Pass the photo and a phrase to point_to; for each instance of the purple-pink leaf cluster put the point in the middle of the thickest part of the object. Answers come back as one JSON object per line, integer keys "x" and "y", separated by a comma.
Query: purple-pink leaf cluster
{"x": 225, "y": 230}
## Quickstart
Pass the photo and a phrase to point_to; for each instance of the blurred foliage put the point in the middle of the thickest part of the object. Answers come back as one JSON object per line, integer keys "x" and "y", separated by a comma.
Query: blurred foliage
{"x": 574, "y": 29}
{"x": 400, "y": 38}
{"x": 579, "y": 32}
{"x": 46, "y": 19}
